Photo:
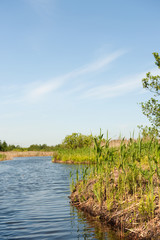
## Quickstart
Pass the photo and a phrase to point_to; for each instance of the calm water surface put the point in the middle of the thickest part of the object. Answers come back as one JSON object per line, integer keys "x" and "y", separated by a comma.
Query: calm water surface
{"x": 34, "y": 203}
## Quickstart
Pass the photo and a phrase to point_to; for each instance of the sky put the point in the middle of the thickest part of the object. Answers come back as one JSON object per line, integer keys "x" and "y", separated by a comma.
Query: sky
{"x": 74, "y": 66}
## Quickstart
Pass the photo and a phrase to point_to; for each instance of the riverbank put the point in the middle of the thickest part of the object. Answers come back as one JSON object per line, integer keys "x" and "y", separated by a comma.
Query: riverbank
{"x": 122, "y": 188}
{"x": 127, "y": 222}
{"x": 14, "y": 154}
{"x": 81, "y": 155}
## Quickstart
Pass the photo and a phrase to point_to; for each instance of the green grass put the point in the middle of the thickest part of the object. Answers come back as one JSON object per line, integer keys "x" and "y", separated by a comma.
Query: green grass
{"x": 79, "y": 155}
{"x": 2, "y": 157}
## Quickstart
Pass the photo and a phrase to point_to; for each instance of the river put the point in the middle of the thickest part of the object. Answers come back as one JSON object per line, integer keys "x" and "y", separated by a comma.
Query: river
{"x": 34, "y": 203}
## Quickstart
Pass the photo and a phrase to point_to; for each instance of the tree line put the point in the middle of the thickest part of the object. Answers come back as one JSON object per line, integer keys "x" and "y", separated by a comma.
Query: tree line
{"x": 4, "y": 147}
{"x": 73, "y": 141}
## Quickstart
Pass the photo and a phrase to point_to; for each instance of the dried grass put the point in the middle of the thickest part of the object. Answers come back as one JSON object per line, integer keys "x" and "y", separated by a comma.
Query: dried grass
{"x": 14, "y": 154}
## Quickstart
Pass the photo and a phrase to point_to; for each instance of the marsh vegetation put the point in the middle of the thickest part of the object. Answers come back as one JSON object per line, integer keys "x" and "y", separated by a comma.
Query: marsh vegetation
{"x": 123, "y": 186}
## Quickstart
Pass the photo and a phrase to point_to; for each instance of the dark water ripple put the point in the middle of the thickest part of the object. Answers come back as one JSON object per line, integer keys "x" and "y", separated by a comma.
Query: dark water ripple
{"x": 34, "y": 203}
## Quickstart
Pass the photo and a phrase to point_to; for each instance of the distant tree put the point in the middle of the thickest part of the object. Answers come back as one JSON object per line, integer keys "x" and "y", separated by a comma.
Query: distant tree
{"x": 151, "y": 108}
{"x": 77, "y": 140}
{"x": 3, "y": 146}
{"x": 43, "y": 147}
{"x": 0, "y": 145}
{"x": 34, "y": 147}
{"x": 11, "y": 147}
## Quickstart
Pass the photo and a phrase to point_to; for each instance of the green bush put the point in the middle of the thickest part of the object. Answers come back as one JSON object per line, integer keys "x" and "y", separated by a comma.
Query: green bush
{"x": 77, "y": 140}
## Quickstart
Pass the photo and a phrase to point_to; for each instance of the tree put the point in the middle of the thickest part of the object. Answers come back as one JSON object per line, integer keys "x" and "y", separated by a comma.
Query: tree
{"x": 3, "y": 146}
{"x": 77, "y": 140}
{"x": 151, "y": 108}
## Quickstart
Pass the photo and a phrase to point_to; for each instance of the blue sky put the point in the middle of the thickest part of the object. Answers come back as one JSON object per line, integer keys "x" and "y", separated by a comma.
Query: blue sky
{"x": 74, "y": 66}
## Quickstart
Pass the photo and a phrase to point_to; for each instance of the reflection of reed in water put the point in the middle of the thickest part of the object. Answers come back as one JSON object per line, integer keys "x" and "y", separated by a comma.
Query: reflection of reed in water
{"x": 90, "y": 227}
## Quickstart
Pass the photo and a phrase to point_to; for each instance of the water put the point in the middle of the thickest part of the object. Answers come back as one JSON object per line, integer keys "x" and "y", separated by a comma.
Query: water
{"x": 34, "y": 203}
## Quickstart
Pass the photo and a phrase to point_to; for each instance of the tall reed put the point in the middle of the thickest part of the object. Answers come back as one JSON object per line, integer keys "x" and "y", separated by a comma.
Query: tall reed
{"x": 126, "y": 177}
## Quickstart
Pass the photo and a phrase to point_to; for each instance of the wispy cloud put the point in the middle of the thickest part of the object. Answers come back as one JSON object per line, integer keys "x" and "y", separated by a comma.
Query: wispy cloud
{"x": 56, "y": 83}
{"x": 125, "y": 86}
{"x": 99, "y": 64}
{"x": 112, "y": 90}
{"x": 43, "y": 89}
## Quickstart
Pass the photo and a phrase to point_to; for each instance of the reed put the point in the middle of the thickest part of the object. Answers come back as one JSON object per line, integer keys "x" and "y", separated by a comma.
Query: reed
{"x": 125, "y": 178}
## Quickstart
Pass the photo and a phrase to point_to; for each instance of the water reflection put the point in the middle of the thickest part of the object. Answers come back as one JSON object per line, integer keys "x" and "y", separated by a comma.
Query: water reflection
{"x": 91, "y": 226}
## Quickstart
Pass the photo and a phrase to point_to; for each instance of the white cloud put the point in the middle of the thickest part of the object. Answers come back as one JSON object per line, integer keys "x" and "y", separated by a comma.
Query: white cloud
{"x": 55, "y": 83}
{"x": 117, "y": 89}
{"x": 39, "y": 91}
{"x": 110, "y": 91}
{"x": 99, "y": 64}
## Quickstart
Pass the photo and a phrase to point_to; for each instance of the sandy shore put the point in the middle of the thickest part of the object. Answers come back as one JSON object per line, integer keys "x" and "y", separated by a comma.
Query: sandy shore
{"x": 13, "y": 154}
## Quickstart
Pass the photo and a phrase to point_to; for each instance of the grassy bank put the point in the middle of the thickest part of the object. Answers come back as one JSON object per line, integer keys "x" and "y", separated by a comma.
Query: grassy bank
{"x": 2, "y": 157}
{"x": 78, "y": 155}
{"x": 123, "y": 187}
